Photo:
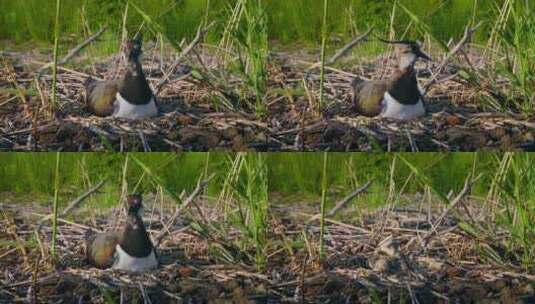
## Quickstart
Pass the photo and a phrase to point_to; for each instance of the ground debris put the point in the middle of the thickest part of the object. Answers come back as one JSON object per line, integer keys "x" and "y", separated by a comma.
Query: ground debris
{"x": 194, "y": 118}
{"x": 379, "y": 258}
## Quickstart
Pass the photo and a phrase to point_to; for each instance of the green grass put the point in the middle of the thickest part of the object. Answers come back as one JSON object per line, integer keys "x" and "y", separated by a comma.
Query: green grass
{"x": 36, "y": 17}
{"x": 300, "y": 173}
{"x": 324, "y": 189}
{"x": 55, "y": 207}
{"x": 244, "y": 202}
{"x": 56, "y": 50}
{"x": 32, "y": 173}
{"x": 288, "y": 21}
{"x": 251, "y": 214}
{"x": 515, "y": 38}
{"x": 324, "y": 33}
{"x": 289, "y": 173}
{"x": 516, "y": 207}
{"x": 246, "y": 31}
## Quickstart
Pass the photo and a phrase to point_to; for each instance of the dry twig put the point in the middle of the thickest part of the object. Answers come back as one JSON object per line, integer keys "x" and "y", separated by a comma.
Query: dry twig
{"x": 74, "y": 51}
{"x": 468, "y": 33}
{"x": 350, "y": 197}
{"x": 73, "y": 204}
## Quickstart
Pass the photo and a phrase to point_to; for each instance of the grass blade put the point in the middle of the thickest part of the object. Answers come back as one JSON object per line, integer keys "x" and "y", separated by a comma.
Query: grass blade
{"x": 423, "y": 27}
{"x": 158, "y": 180}
{"x": 323, "y": 50}
{"x": 425, "y": 180}
{"x": 55, "y": 208}
{"x": 323, "y": 201}
{"x": 55, "y": 65}
{"x": 155, "y": 25}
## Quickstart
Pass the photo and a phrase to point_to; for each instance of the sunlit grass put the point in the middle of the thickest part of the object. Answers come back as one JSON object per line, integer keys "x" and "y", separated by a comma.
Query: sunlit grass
{"x": 55, "y": 208}
{"x": 32, "y": 173}
{"x": 56, "y": 50}
{"x": 246, "y": 34}
{"x": 289, "y": 21}
{"x": 292, "y": 173}
{"x": 324, "y": 33}
{"x": 516, "y": 206}
{"x": 323, "y": 203}
{"x": 514, "y": 39}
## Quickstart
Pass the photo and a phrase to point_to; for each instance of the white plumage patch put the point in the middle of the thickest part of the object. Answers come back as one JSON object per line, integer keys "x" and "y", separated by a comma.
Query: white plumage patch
{"x": 124, "y": 109}
{"x": 124, "y": 261}
{"x": 395, "y": 110}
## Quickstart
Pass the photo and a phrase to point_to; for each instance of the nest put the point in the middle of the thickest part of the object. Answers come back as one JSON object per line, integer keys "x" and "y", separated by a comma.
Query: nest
{"x": 215, "y": 113}
{"x": 416, "y": 253}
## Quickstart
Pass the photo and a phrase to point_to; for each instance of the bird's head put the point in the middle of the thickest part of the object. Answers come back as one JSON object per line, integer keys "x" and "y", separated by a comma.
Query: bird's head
{"x": 133, "y": 48}
{"x": 407, "y": 52}
{"x": 135, "y": 205}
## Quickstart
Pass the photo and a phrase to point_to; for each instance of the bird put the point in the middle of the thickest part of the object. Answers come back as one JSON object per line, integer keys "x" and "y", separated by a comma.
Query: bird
{"x": 128, "y": 249}
{"x": 129, "y": 97}
{"x": 397, "y": 97}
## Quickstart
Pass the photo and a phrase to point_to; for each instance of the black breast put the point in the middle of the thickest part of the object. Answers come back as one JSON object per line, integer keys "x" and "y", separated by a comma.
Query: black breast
{"x": 135, "y": 88}
{"x": 405, "y": 89}
{"x": 135, "y": 240}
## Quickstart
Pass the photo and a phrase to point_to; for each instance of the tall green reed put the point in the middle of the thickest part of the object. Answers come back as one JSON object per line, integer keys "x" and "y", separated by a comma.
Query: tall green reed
{"x": 247, "y": 206}
{"x": 323, "y": 202}
{"x": 515, "y": 208}
{"x": 246, "y": 32}
{"x": 55, "y": 65}
{"x": 254, "y": 198}
{"x": 323, "y": 50}
{"x": 55, "y": 208}
{"x": 256, "y": 38}
{"x": 515, "y": 39}
{"x": 244, "y": 202}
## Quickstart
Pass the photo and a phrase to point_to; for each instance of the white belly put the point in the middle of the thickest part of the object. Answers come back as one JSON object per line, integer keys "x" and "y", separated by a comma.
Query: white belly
{"x": 124, "y": 261}
{"x": 395, "y": 110}
{"x": 124, "y": 109}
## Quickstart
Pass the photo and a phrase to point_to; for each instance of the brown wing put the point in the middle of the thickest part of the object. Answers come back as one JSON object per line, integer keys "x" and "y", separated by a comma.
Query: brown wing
{"x": 368, "y": 97}
{"x": 100, "y": 249}
{"x": 100, "y": 96}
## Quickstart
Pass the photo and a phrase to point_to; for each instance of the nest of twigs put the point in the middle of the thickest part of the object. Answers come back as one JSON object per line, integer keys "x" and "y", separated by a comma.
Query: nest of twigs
{"x": 210, "y": 113}
{"x": 416, "y": 253}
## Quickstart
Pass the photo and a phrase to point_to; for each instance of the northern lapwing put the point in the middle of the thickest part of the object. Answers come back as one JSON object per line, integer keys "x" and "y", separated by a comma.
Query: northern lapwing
{"x": 130, "y": 97}
{"x": 128, "y": 249}
{"x": 397, "y": 97}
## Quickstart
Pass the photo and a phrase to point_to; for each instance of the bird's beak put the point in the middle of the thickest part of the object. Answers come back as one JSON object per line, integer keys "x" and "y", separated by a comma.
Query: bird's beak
{"x": 423, "y": 55}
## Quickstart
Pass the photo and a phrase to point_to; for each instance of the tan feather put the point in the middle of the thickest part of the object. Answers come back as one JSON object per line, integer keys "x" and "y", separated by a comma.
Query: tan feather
{"x": 100, "y": 249}
{"x": 100, "y": 96}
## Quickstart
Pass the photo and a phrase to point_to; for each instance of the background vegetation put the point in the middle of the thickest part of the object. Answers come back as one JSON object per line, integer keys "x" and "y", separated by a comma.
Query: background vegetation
{"x": 288, "y": 173}
{"x": 31, "y": 174}
{"x": 301, "y": 174}
{"x": 288, "y": 21}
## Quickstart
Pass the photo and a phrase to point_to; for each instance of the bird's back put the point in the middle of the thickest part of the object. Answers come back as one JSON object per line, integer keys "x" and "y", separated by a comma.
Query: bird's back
{"x": 368, "y": 97}
{"x": 100, "y": 249}
{"x": 101, "y": 95}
